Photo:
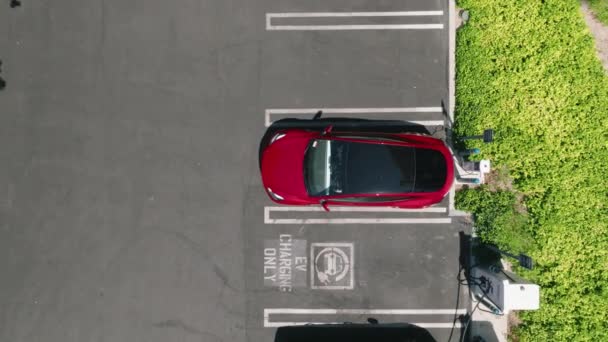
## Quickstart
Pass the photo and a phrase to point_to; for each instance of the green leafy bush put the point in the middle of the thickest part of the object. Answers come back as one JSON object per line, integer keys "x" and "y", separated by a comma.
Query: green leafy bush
{"x": 496, "y": 218}
{"x": 600, "y": 9}
{"x": 527, "y": 68}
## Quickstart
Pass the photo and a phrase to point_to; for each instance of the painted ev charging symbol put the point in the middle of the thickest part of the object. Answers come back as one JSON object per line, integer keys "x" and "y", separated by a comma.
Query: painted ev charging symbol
{"x": 333, "y": 266}
{"x": 331, "y": 263}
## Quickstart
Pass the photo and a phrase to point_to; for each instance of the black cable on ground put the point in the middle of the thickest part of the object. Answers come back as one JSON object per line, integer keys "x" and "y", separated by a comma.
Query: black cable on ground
{"x": 492, "y": 312}
{"x": 469, "y": 281}
{"x": 466, "y": 326}
{"x": 457, "y": 302}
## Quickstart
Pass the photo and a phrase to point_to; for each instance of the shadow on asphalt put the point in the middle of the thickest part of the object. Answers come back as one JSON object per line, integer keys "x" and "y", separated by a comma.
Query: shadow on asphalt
{"x": 341, "y": 125}
{"x": 394, "y": 332}
{"x": 464, "y": 278}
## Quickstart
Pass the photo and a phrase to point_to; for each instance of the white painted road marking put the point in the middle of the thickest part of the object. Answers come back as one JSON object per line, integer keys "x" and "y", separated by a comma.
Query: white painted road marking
{"x": 286, "y": 311}
{"x": 361, "y": 221}
{"x": 312, "y": 111}
{"x": 354, "y": 27}
{"x": 373, "y": 220}
{"x": 353, "y": 14}
{"x": 420, "y": 324}
{"x": 285, "y": 263}
{"x": 452, "y": 94}
{"x": 271, "y": 27}
{"x": 359, "y": 209}
{"x": 332, "y": 265}
{"x": 290, "y": 311}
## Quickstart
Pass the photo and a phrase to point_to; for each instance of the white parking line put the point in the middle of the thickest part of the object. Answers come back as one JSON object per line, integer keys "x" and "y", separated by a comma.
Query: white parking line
{"x": 371, "y": 220}
{"x": 353, "y": 14}
{"x": 354, "y": 27}
{"x": 269, "y": 324}
{"x": 290, "y": 311}
{"x": 271, "y": 27}
{"x": 420, "y": 324}
{"x": 359, "y": 209}
{"x": 359, "y": 221}
{"x": 312, "y": 111}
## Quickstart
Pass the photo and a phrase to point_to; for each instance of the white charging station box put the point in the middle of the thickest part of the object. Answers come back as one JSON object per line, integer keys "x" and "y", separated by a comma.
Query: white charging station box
{"x": 507, "y": 291}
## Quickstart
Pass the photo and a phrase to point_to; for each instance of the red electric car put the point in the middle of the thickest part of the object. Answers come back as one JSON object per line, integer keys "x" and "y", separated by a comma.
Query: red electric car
{"x": 405, "y": 170}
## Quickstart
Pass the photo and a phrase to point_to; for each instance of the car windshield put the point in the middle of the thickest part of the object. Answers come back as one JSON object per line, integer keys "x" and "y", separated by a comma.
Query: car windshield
{"x": 320, "y": 166}
{"x": 339, "y": 167}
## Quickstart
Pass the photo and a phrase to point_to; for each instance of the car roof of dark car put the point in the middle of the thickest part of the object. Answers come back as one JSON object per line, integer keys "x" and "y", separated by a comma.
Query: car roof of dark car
{"x": 396, "y": 332}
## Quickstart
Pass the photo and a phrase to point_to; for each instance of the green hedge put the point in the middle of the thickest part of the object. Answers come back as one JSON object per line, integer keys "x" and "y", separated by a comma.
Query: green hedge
{"x": 496, "y": 218}
{"x": 600, "y": 8}
{"x": 528, "y": 69}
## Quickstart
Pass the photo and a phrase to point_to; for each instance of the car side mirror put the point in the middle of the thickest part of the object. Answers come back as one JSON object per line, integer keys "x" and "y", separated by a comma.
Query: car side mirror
{"x": 327, "y": 130}
{"x": 325, "y": 205}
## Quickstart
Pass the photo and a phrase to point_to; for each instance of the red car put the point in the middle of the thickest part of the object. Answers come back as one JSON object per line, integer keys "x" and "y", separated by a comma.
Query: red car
{"x": 405, "y": 170}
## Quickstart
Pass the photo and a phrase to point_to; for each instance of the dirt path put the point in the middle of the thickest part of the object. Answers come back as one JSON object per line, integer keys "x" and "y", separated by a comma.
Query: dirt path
{"x": 599, "y": 31}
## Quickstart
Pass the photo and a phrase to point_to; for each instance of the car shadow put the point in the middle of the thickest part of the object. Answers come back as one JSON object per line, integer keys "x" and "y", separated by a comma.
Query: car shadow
{"x": 340, "y": 125}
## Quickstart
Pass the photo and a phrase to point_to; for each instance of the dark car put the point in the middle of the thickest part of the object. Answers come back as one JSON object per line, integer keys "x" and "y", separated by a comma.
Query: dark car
{"x": 396, "y": 332}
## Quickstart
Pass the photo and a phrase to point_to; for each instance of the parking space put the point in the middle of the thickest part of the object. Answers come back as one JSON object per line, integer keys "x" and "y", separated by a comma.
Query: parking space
{"x": 385, "y": 61}
{"x": 331, "y": 270}
{"x": 368, "y": 67}
{"x": 353, "y": 69}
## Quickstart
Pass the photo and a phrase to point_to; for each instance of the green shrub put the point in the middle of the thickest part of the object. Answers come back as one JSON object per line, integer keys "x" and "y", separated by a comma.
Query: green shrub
{"x": 496, "y": 218}
{"x": 600, "y": 9}
{"x": 528, "y": 69}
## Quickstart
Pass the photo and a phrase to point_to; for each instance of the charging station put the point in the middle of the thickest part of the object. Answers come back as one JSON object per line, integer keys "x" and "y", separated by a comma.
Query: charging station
{"x": 504, "y": 291}
{"x": 473, "y": 172}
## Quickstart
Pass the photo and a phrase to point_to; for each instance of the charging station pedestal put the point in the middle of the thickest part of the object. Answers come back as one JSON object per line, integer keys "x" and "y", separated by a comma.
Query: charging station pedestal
{"x": 503, "y": 291}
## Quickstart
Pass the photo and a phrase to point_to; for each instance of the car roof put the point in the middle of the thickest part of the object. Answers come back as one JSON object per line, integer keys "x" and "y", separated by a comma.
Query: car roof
{"x": 396, "y": 332}
{"x": 370, "y": 167}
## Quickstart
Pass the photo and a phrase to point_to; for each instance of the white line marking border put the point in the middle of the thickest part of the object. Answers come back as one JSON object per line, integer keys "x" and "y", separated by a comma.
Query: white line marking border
{"x": 298, "y": 311}
{"x": 357, "y": 209}
{"x": 271, "y": 27}
{"x": 268, "y": 220}
{"x": 354, "y": 27}
{"x": 268, "y": 312}
{"x": 403, "y": 220}
{"x": 353, "y": 14}
{"x": 425, "y": 325}
{"x": 312, "y": 111}
{"x": 350, "y": 245}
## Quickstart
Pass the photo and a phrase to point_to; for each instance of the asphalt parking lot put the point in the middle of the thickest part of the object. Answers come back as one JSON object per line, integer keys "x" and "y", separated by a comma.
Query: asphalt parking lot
{"x": 131, "y": 206}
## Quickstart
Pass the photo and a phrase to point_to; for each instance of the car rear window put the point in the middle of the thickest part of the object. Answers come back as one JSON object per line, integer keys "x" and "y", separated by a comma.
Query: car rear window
{"x": 376, "y": 168}
{"x": 341, "y": 167}
{"x": 431, "y": 170}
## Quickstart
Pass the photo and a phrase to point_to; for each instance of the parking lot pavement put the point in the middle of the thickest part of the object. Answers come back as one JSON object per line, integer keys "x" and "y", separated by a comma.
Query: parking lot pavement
{"x": 304, "y": 265}
{"x": 346, "y": 266}
{"x": 353, "y": 69}
{"x": 125, "y": 146}
{"x": 131, "y": 205}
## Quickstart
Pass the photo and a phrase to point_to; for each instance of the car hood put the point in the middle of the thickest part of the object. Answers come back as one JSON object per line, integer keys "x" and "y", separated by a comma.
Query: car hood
{"x": 283, "y": 167}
